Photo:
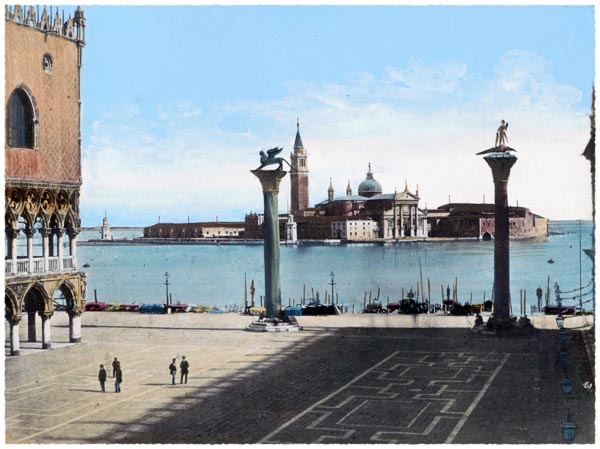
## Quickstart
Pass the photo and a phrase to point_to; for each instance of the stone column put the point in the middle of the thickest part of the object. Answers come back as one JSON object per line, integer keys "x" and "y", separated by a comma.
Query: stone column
{"x": 395, "y": 206}
{"x": 401, "y": 221}
{"x": 75, "y": 326}
{"x": 15, "y": 346}
{"x": 45, "y": 238}
{"x": 269, "y": 181}
{"x": 31, "y": 326}
{"x": 51, "y": 243}
{"x": 29, "y": 233}
{"x": 416, "y": 221}
{"x": 46, "y": 330}
{"x": 501, "y": 163}
{"x": 12, "y": 235}
{"x": 73, "y": 247}
{"x": 59, "y": 244}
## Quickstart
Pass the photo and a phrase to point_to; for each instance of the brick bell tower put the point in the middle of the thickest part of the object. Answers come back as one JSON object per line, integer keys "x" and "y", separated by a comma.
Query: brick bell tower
{"x": 299, "y": 176}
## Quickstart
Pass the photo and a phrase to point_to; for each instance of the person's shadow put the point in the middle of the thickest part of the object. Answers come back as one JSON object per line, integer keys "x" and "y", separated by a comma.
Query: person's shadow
{"x": 86, "y": 391}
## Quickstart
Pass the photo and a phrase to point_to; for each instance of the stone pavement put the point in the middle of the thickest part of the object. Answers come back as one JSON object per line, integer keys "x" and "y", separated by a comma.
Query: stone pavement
{"x": 342, "y": 385}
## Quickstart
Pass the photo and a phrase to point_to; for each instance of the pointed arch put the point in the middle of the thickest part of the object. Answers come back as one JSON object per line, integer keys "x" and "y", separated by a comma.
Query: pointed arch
{"x": 68, "y": 292}
{"x": 22, "y": 119}
{"x": 36, "y": 299}
{"x": 12, "y": 304}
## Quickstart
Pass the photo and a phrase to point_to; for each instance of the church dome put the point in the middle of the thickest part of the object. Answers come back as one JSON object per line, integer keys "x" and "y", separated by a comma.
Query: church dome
{"x": 369, "y": 187}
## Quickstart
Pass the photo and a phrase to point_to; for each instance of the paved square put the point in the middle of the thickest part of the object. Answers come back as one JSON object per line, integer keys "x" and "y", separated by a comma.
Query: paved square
{"x": 342, "y": 385}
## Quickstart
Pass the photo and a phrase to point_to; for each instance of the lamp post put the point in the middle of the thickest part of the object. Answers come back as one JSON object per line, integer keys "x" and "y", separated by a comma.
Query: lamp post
{"x": 568, "y": 429}
{"x": 332, "y": 283}
{"x": 167, "y": 286}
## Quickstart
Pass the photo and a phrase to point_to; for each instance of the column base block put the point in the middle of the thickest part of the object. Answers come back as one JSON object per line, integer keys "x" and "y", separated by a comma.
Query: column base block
{"x": 17, "y": 352}
{"x": 273, "y": 325}
{"x": 46, "y": 345}
{"x": 513, "y": 325}
{"x": 75, "y": 340}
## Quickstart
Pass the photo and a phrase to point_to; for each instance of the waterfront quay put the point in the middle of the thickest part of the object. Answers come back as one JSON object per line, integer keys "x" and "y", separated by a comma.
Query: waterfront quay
{"x": 343, "y": 379}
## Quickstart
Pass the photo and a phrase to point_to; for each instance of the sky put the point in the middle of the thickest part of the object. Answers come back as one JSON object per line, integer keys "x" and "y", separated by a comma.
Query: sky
{"x": 178, "y": 101}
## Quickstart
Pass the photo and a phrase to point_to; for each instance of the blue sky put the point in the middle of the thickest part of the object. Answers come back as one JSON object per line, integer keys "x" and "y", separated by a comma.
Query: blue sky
{"x": 177, "y": 102}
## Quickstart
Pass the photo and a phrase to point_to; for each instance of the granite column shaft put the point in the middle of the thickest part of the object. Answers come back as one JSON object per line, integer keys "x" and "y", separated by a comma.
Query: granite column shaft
{"x": 270, "y": 184}
{"x": 501, "y": 163}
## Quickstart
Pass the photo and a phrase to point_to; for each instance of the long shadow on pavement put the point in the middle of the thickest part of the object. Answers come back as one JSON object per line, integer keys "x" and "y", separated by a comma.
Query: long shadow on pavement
{"x": 521, "y": 403}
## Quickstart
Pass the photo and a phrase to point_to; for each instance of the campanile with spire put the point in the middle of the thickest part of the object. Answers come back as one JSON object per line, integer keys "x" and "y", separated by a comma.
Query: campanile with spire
{"x": 299, "y": 176}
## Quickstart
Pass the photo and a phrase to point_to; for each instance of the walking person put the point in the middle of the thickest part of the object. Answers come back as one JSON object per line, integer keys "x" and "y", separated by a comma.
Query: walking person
{"x": 102, "y": 377}
{"x": 118, "y": 379}
{"x": 115, "y": 364}
{"x": 173, "y": 371}
{"x": 184, "y": 369}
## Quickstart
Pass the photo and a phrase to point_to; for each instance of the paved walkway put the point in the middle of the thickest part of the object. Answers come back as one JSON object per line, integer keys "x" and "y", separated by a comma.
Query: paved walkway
{"x": 344, "y": 385}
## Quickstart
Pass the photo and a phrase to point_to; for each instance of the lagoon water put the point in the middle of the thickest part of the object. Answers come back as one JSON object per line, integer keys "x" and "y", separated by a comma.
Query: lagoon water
{"x": 214, "y": 275}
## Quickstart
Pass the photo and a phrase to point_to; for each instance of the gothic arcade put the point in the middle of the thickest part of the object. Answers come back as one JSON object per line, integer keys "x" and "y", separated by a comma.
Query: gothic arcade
{"x": 43, "y": 170}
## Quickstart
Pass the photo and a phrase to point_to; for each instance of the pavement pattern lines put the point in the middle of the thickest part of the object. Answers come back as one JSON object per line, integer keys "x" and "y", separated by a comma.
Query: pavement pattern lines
{"x": 408, "y": 397}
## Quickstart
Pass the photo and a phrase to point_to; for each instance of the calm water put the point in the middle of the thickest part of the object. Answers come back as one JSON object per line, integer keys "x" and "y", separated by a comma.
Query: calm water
{"x": 214, "y": 275}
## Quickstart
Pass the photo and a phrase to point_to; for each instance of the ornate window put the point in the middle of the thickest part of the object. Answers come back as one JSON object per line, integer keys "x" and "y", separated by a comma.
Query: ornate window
{"x": 22, "y": 123}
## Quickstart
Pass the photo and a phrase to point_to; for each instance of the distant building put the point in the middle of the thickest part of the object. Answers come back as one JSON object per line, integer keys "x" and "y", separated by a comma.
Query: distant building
{"x": 382, "y": 215}
{"x": 355, "y": 229}
{"x": 299, "y": 176}
{"x": 105, "y": 233}
{"x": 291, "y": 230}
{"x": 42, "y": 154}
{"x": 253, "y": 225}
{"x": 473, "y": 220}
{"x": 368, "y": 215}
{"x": 198, "y": 230}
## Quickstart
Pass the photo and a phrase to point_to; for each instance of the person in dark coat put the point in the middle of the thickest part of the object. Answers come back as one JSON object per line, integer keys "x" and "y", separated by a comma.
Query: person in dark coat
{"x": 184, "y": 369}
{"x": 173, "y": 371}
{"x": 102, "y": 377}
{"x": 118, "y": 379}
{"x": 115, "y": 364}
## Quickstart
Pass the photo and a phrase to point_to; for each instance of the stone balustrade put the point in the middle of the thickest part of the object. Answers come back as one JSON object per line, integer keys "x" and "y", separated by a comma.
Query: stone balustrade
{"x": 38, "y": 265}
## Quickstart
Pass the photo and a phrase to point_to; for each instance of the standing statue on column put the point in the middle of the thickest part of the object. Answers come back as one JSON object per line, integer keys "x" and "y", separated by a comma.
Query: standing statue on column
{"x": 501, "y": 138}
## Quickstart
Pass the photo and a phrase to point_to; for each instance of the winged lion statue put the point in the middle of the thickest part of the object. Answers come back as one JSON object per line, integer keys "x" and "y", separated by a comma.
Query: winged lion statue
{"x": 269, "y": 158}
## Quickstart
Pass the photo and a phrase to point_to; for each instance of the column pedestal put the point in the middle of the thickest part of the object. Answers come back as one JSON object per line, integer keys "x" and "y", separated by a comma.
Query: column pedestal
{"x": 74, "y": 328}
{"x": 46, "y": 331}
{"x": 15, "y": 346}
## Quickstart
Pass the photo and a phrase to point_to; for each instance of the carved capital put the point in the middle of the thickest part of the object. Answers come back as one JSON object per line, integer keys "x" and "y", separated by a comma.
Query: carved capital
{"x": 45, "y": 315}
{"x": 500, "y": 163}
{"x": 269, "y": 179}
{"x": 74, "y": 312}
{"x": 29, "y": 232}
{"x": 46, "y": 232}
{"x": 12, "y": 233}
{"x": 13, "y": 318}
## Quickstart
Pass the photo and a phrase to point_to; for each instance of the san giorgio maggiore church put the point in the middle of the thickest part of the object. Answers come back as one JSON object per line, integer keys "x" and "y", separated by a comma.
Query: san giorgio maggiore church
{"x": 367, "y": 215}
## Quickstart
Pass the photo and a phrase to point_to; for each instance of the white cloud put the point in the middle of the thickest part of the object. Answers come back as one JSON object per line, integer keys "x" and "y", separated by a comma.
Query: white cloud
{"x": 420, "y": 122}
{"x": 422, "y": 78}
